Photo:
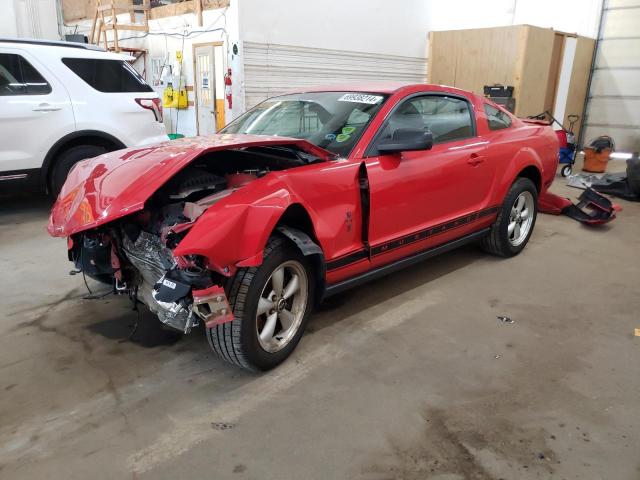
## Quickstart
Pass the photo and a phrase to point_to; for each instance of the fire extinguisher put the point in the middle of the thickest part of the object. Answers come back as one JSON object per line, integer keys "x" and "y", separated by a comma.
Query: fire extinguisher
{"x": 227, "y": 87}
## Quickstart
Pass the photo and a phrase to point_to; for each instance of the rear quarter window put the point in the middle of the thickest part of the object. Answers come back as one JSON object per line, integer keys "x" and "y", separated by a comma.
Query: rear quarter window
{"x": 497, "y": 118}
{"x": 108, "y": 76}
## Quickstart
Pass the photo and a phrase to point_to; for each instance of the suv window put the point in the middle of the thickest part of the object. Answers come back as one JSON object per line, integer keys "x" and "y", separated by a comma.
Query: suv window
{"x": 497, "y": 118}
{"x": 108, "y": 76}
{"x": 448, "y": 118}
{"x": 18, "y": 77}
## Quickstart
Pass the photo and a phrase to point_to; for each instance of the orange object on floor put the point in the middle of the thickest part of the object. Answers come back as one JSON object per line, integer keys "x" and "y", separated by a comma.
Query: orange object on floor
{"x": 594, "y": 161}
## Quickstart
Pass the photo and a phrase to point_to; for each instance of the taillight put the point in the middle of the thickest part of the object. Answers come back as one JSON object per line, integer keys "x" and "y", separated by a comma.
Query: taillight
{"x": 153, "y": 104}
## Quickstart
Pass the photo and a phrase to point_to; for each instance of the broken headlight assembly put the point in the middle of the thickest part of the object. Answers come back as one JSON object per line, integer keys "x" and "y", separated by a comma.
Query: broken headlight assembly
{"x": 192, "y": 263}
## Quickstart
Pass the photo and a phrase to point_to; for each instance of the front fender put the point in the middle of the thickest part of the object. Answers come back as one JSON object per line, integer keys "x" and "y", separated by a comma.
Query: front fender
{"x": 234, "y": 233}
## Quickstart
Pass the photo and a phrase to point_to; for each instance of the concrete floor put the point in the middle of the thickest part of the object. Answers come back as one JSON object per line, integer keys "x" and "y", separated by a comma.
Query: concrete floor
{"x": 410, "y": 377}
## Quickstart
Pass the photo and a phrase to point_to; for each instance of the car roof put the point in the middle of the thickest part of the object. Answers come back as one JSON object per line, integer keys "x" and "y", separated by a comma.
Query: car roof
{"x": 63, "y": 49}
{"x": 52, "y": 43}
{"x": 387, "y": 88}
{"x": 370, "y": 87}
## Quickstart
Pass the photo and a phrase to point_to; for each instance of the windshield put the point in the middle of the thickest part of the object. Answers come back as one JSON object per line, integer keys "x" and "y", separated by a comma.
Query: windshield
{"x": 331, "y": 120}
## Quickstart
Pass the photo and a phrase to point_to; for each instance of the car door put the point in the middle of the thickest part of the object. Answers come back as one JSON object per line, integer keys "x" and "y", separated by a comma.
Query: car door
{"x": 35, "y": 111}
{"x": 424, "y": 198}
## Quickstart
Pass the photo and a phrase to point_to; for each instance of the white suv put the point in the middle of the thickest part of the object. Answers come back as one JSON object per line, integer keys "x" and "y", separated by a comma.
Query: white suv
{"x": 62, "y": 102}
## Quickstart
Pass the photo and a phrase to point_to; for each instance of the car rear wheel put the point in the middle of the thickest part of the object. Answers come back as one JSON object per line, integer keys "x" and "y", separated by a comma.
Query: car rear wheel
{"x": 271, "y": 304}
{"x": 66, "y": 160}
{"x": 516, "y": 219}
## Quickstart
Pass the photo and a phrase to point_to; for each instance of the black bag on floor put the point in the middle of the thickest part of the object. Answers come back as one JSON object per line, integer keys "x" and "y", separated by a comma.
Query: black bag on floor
{"x": 621, "y": 186}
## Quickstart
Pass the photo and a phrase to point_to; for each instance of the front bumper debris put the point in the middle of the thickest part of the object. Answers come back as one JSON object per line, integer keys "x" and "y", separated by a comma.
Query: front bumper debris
{"x": 212, "y": 306}
{"x": 172, "y": 304}
{"x": 591, "y": 209}
{"x": 180, "y": 298}
{"x": 182, "y": 311}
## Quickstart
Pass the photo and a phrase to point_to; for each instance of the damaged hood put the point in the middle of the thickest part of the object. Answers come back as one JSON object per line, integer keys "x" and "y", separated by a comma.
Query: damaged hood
{"x": 116, "y": 184}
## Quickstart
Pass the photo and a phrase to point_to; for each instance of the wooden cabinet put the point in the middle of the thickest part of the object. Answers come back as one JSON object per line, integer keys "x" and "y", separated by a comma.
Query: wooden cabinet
{"x": 549, "y": 70}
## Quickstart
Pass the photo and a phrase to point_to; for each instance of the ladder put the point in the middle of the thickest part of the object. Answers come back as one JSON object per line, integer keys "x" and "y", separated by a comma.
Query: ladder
{"x": 106, "y": 18}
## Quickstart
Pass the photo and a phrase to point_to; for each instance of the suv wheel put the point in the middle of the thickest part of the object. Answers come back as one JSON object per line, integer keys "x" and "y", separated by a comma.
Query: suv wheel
{"x": 67, "y": 159}
{"x": 516, "y": 219}
{"x": 271, "y": 304}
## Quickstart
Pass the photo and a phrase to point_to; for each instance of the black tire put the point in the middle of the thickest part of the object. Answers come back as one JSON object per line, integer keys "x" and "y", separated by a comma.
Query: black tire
{"x": 566, "y": 171}
{"x": 497, "y": 241}
{"x": 237, "y": 341}
{"x": 66, "y": 160}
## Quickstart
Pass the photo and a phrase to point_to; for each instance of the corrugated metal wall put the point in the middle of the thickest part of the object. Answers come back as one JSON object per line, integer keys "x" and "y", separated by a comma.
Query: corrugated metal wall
{"x": 614, "y": 100}
{"x": 274, "y": 69}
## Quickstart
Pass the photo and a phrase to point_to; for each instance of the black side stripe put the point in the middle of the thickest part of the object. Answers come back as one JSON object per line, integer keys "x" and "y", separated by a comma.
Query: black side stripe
{"x": 409, "y": 239}
{"x": 347, "y": 259}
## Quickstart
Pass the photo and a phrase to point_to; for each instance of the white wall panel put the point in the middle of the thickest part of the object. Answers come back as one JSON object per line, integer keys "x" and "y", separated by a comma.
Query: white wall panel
{"x": 36, "y": 19}
{"x": 615, "y": 111}
{"x": 579, "y": 16}
{"x": 626, "y": 139}
{"x": 274, "y": 69}
{"x": 8, "y": 26}
{"x": 619, "y": 52}
{"x": 623, "y": 3}
{"x": 622, "y": 22}
{"x": 377, "y": 26}
{"x": 614, "y": 82}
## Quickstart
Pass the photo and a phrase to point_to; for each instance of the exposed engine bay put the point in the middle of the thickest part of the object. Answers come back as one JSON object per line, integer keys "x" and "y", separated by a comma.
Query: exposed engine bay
{"x": 135, "y": 253}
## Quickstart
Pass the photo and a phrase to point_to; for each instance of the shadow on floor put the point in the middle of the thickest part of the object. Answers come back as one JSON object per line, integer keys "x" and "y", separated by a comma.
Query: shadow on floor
{"x": 343, "y": 305}
{"x": 141, "y": 328}
{"x": 14, "y": 206}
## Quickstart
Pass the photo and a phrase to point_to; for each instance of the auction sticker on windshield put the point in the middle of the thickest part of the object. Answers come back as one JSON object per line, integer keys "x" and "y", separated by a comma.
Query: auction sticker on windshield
{"x": 360, "y": 98}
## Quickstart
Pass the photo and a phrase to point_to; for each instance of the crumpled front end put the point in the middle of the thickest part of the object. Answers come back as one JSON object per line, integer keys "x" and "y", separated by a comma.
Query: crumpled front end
{"x": 136, "y": 257}
{"x": 177, "y": 250}
{"x": 153, "y": 262}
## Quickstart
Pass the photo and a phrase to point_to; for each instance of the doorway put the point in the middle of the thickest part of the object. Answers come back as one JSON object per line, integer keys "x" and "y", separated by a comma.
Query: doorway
{"x": 208, "y": 59}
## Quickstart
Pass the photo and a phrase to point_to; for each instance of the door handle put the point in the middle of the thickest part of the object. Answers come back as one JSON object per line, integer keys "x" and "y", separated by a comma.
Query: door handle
{"x": 475, "y": 160}
{"x": 45, "y": 107}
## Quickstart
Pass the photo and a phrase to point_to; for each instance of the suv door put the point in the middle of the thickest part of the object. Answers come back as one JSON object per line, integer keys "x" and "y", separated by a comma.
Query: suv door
{"x": 35, "y": 111}
{"x": 424, "y": 198}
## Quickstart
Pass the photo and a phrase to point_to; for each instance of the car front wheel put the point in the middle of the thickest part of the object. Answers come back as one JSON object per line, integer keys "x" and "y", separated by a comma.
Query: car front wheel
{"x": 271, "y": 304}
{"x": 516, "y": 218}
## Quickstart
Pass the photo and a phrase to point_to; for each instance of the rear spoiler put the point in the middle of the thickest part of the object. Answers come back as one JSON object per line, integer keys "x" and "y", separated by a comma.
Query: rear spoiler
{"x": 536, "y": 121}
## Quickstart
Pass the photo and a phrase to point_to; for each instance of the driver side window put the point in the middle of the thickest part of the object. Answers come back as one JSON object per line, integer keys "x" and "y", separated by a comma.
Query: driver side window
{"x": 448, "y": 118}
{"x": 18, "y": 77}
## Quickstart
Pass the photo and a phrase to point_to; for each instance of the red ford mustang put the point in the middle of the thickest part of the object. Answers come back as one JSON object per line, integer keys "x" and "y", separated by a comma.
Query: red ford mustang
{"x": 303, "y": 196}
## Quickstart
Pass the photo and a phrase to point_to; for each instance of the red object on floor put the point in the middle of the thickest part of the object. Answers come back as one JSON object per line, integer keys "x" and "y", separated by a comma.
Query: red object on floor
{"x": 552, "y": 204}
{"x": 592, "y": 208}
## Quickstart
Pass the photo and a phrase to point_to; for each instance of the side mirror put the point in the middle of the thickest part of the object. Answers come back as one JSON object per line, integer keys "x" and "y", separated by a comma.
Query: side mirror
{"x": 406, "y": 139}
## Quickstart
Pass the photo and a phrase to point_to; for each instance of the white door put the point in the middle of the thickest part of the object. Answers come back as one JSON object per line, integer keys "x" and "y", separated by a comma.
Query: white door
{"x": 613, "y": 107}
{"x": 205, "y": 89}
{"x": 271, "y": 70}
{"x": 35, "y": 111}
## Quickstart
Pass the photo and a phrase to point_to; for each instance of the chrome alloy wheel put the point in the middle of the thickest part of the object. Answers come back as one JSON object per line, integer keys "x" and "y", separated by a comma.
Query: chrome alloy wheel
{"x": 521, "y": 218}
{"x": 282, "y": 306}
